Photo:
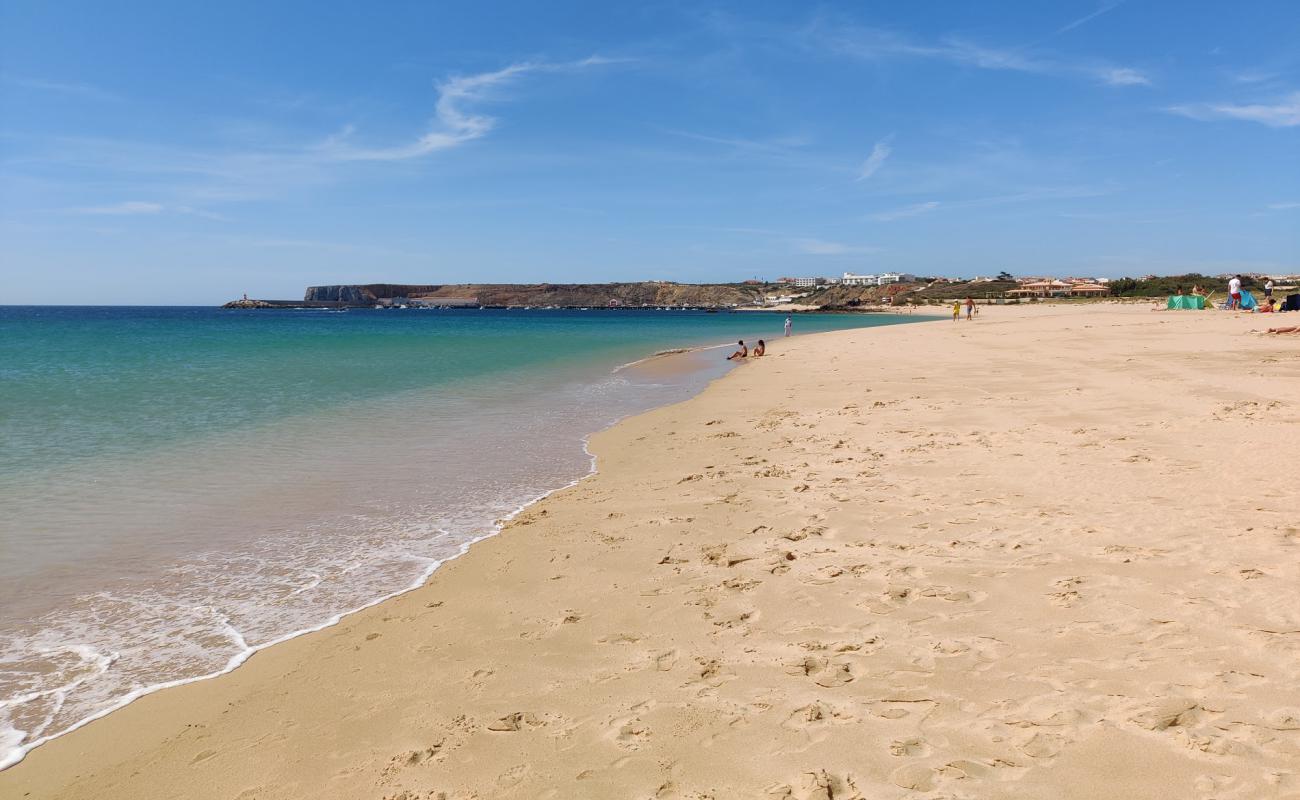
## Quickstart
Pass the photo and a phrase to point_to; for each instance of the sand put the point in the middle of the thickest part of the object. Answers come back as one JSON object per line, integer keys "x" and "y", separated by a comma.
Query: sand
{"x": 1051, "y": 553}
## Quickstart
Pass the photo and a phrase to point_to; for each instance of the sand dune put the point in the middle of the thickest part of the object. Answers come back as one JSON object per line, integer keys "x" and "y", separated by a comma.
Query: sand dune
{"x": 1052, "y": 553}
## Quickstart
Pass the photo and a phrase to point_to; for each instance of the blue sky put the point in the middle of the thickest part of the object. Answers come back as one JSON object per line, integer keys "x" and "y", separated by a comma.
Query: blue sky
{"x": 188, "y": 152}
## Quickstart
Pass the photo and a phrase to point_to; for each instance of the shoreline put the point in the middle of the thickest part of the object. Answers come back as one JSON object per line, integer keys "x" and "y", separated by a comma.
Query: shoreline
{"x": 21, "y": 751}
{"x": 102, "y": 755}
{"x": 674, "y": 356}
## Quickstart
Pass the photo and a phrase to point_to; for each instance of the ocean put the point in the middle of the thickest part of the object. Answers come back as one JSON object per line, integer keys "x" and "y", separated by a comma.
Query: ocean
{"x": 181, "y": 487}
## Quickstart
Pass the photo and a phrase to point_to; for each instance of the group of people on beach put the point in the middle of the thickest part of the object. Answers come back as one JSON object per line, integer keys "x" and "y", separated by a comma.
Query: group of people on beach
{"x": 971, "y": 310}
{"x": 744, "y": 351}
{"x": 1235, "y": 301}
{"x": 760, "y": 348}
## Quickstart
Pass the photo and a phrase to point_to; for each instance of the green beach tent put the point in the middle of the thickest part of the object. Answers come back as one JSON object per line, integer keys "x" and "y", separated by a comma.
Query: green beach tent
{"x": 1185, "y": 301}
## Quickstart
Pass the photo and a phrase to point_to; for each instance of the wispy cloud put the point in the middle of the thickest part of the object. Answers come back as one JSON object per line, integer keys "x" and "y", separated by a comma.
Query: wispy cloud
{"x": 879, "y": 154}
{"x": 821, "y": 247}
{"x": 1122, "y": 76}
{"x": 132, "y": 208}
{"x": 914, "y": 210}
{"x": 879, "y": 44}
{"x": 1028, "y": 195}
{"x": 128, "y": 208}
{"x": 1284, "y": 206}
{"x": 1254, "y": 76}
{"x": 1284, "y": 113}
{"x": 1084, "y": 20}
{"x": 84, "y": 90}
{"x": 775, "y": 145}
{"x": 454, "y": 122}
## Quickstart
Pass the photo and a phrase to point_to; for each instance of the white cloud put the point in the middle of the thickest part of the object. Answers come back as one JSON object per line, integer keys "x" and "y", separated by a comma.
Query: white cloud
{"x": 904, "y": 212}
{"x": 131, "y": 207}
{"x": 1026, "y": 196}
{"x": 879, "y": 153}
{"x": 878, "y": 44}
{"x": 1284, "y": 206}
{"x": 454, "y": 123}
{"x": 820, "y": 247}
{"x": 1254, "y": 76}
{"x": 1087, "y": 18}
{"x": 143, "y": 208}
{"x": 1122, "y": 76}
{"x": 61, "y": 87}
{"x": 1284, "y": 113}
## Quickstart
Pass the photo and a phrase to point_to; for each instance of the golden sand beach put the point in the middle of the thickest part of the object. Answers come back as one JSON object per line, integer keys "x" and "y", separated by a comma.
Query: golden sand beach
{"x": 1050, "y": 553}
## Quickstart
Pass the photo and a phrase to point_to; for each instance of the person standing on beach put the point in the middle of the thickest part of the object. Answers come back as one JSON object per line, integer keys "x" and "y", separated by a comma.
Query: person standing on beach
{"x": 788, "y": 326}
{"x": 970, "y": 308}
{"x": 1268, "y": 288}
{"x": 1234, "y": 293}
{"x": 956, "y": 310}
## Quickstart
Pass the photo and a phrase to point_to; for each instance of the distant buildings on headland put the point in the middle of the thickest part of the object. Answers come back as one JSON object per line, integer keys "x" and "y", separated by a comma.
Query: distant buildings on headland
{"x": 850, "y": 279}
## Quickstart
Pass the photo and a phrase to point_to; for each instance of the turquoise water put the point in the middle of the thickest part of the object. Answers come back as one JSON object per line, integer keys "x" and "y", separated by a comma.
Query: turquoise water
{"x": 182, "y": 486}
{"x": 84, "y": 382}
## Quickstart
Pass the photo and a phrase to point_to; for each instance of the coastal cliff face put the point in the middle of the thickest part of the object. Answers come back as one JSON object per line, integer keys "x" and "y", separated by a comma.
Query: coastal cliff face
{"x": 367, "y": 293}
{"x": 544, "y": 294}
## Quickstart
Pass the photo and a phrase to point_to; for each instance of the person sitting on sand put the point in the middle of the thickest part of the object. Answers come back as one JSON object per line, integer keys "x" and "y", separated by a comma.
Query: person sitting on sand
{"x": 1267, "y": 306}
{"x": 759, "y": 349}
{"x": 741, "y": 353}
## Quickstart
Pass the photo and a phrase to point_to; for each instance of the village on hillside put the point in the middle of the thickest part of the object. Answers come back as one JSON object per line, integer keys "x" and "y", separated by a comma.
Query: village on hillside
{"x": 890, "y": 288}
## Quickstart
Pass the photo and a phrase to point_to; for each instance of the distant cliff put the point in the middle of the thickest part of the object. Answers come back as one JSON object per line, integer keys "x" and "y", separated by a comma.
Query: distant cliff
{"x": 545, "y": 294}
{"x": 365, "y": 294}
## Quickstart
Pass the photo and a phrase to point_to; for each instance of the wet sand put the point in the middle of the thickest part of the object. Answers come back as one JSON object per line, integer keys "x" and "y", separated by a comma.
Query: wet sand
{"x": 1051, "y": 553}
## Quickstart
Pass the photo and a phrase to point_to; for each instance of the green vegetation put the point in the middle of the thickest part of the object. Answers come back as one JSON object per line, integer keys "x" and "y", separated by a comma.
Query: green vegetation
{"x": 1170, "y": 284}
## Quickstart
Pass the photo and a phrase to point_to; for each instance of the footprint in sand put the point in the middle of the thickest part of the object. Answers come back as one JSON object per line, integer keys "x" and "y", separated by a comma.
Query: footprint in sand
{"x": 909, "y": 748}
{"x": 815, "y": 715}
{"x": 914, "y": 776}
{"x": 513, "y": 776}
{"x": 819, "y": 785}
{"x": 1172, "y": 713}
{"x": 414, "y": 758}
{"x": 632, "y": 734}
{"x": 824, "y": 672}
{"x": 1043, "y": 744}
{"x": 515, "y": 722}
{"x": 665, "y": 660}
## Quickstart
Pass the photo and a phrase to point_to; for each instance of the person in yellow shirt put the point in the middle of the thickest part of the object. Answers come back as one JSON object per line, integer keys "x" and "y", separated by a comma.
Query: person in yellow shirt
{"x": 956, "y": 310}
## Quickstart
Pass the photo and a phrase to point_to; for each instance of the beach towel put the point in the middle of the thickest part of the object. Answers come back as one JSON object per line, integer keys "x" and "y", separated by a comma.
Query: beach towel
{"x": 1185, "y": 301}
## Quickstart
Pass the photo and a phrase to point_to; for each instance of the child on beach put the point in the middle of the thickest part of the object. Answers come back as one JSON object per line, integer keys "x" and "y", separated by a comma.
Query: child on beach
{"x": 956, "y": 310}
{"x": 741, "y": 353}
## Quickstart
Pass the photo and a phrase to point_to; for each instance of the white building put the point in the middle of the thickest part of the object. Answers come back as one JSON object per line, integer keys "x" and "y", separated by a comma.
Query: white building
{"x": 883, "y": 279}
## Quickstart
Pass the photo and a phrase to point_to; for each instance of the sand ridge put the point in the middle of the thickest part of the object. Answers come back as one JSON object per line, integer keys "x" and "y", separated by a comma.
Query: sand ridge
{"x": 1051, "y": 553}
